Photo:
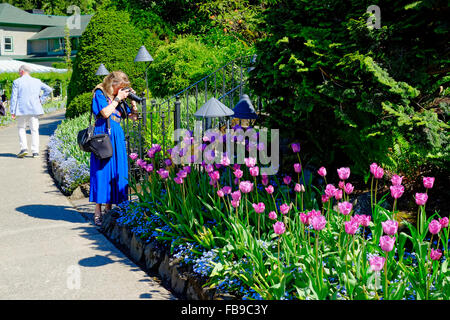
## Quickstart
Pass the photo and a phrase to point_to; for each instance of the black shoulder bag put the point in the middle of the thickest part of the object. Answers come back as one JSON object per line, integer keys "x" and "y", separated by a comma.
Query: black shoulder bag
{"x": 99, "y": 144}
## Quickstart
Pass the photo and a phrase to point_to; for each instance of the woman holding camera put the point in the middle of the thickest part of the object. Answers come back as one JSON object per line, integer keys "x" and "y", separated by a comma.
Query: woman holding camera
{"x": 109, "y": 177}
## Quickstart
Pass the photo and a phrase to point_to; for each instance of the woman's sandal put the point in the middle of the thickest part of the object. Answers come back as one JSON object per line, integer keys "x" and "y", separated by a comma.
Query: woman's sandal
{"x": 98, "y": 219}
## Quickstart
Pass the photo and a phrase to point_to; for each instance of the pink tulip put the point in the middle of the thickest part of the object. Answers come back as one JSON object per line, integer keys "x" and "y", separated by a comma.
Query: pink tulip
{"x": 390, "y": 227}
{"x": 324, "y": 198}
{"x": 434, "y": 227}
{"x": 164, "y": 174}
{"x": 279, "y": 228}
{"x": 343, "y": 173}
{"x": 149, "y": 167}
{"x": 348, "y": 188}
{"x": 259, "y": 207}
{"x": 182, "y": 174}
{"x": 376, "y": 263}
{"x": 284, "y": 208}
{"x": 133, "y": 156}
{"x": 304, "y": 218}
{"x": 345, "y": 207}
{"x": 225, "y": 161}
{"x": 287, "y": 179}
{"x": 373, "y": 168}
{"x": 364, "y": 220}
{"x": 299, "y": 188}
{"x": 435, "y": 254}
{"x": 209, "y": 168}
{"x": 421, "y": 198}
{"x": 351, "y": 227}
{"x": 444, "y": 222}
{"x": 341, "y": 184}
{"x": 272, "y": 215}
{"x": 295, "y": 147}
{"x": 397, "y": 191}
{"x": 338, "y": 194}
{"x": 265, "y": 180}
{"x": 250, "y": 162}
{"x": 318, "y": 222}
{"x": 187, "y": 169}
{"x": 297, "y": 167}
{"x": 235, "y": 203}
{"x": 246, "y": 186}
{"x": 396, "y": 180}
{"x": 220, "y": 193}
{"x": 428, "y": 182}
{"x": 141, "y": 163}
{"x": 379, "y": 172}
{"x": 269, "y": 189}
{"x": 238, "y": 173}
{"x": 226, "y": 190}
{"x": 330, "y": 190}
{"x": 215, "y": 175}
{"x": 236, "y": 195}
{"x": 178, "y": 180}
{"x": 254, "y": 171}
{"x": 322, "y": 172}
{"x": 387, "y": 243}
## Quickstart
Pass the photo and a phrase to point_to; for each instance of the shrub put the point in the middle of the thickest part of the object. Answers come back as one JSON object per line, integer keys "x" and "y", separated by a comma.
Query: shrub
{"x": 349, "y": 93}
{"x": 179, "y": 64}
{"x": 79, "y": 105}
{"x": 110, "y": 39}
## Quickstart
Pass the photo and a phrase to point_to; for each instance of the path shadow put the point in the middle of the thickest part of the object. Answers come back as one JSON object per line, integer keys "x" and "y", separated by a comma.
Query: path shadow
{"x": 49, "y": 212}
{"x": 8, "y": 155}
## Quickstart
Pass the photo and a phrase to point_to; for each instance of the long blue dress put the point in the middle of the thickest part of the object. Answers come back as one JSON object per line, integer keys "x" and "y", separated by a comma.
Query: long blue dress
{"x": 109, "y": 177}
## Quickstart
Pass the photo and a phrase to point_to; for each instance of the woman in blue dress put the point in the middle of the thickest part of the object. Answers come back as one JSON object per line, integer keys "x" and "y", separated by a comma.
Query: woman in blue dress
{"x": 109, "y": 177}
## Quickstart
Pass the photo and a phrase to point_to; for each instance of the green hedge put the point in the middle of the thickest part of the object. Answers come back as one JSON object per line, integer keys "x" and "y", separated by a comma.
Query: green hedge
{"x": 79, "y": 105}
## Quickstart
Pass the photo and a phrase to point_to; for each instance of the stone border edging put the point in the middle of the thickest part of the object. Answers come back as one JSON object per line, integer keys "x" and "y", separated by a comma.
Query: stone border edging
{"x": 157, "y": 259}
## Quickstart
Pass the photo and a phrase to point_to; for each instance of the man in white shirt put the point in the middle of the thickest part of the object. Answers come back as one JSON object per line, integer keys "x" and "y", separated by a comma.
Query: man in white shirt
{"x": 26, "y": 106}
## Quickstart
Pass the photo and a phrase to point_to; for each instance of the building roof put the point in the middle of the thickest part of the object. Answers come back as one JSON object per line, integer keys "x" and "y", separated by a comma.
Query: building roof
{"x": 59, "y": 32}
{"x": 10, "y": 65}
{"x": 11, "y": 15}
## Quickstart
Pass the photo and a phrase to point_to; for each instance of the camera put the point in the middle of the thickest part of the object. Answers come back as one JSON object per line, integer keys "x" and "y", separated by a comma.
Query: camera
{"x": 132, "y": 96}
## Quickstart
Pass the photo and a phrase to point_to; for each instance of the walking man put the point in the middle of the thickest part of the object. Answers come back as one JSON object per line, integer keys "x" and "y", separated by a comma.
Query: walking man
{"x": 26, "y": 106}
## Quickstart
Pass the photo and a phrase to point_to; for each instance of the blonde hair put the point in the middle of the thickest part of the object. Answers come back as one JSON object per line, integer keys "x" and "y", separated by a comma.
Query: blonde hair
{"x": 115, "y": 78}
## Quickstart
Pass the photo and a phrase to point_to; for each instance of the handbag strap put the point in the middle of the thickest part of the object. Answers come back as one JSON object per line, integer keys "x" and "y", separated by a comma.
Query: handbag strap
{"x": 108, "y": 124}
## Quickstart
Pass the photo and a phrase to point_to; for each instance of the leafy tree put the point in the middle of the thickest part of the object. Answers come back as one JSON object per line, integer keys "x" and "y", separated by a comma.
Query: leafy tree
{"x": 353, "y": 93}
{"x": 110, "y": 39}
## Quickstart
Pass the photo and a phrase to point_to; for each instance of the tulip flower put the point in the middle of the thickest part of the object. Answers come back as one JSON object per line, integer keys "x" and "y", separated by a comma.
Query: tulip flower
{"x": 338, "y": 194}
{"x": 345, "y": 207}
{"x": 178, "y": 180}
{"x": 343, "y": 173}
{"x": 265, "y": 179}
{"x": 428, "y": 182}
{"x": 259, "y": 207}
{"x": 434, "y": 227}
{"x": 238, "y": 173}
{"x": 236, "y": 195}
{"x": 182, "y": 174}
{"x": 364, "y": 220}
{"x": 164, "y": 174}
{"x": 225, "y": 161}
{"x": 246, "y": 186}
{"x": 254, "y": 171}
{"x": 318, "y": 222}
{"x": 397, "y": 191}
{"x": 373, "y": 168}
{"x": 297, "y": 167}
{"x": 435, "y": 254}
{"x": 250, "y": 162}
{"x": 220, "y": 193}
{"x": 149, "y": 167}
{"x": 330, "y": 190}
{"x": 322, "y": 171}
{"x": 235, "y": 203}
{"x": 421, "y": 198}
{"x": 387, "y": 243}
{"x": 272, "y": 215}
{"x": 390, "y": 227}
{"x": 269, "y": 189}
{"x": 324, "y": 198}
{"x": 299, "y": 188}
{"x": 304, "y": 218}
{"x": 351, "y": 227}
{"x": 376, "y": 263}
{"x": 279, "y": 228}
{"x": 444, "y": 222}
{"x": 348, "y": 188}
{"x": 133, "y": 156}
{"x": 226, "y": 190}
{"x": 284, "y": 208}
{"x": 396, "y": 180}
{"x": 379, "y": 172}
{"x": 295, "y": 147}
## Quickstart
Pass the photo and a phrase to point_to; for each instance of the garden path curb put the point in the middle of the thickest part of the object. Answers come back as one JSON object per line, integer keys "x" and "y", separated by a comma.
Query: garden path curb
{"x": 49, "y": 250}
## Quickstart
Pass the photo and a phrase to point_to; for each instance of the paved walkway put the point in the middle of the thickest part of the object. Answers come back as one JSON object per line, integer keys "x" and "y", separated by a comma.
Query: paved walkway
{"x": 47, "y": 249}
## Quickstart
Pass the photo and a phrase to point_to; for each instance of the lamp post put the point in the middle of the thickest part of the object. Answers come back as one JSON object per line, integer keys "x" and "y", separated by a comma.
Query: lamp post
{"x": 144, "y": 56}
{"x": 244, "y": 109}
{"x": 102, "y": 71}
